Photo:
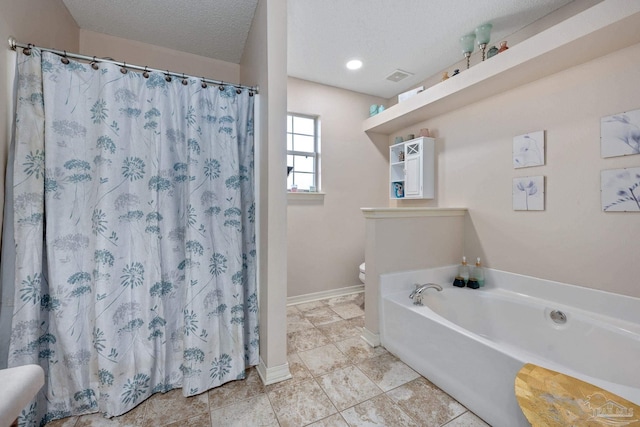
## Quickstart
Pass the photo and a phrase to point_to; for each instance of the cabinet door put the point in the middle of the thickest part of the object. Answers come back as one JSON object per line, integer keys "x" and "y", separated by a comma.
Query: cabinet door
{"x": 413, "y": 170}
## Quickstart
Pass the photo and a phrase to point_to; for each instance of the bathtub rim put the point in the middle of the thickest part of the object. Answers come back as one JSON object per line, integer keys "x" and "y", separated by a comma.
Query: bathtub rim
{"x": 610, "y": 304}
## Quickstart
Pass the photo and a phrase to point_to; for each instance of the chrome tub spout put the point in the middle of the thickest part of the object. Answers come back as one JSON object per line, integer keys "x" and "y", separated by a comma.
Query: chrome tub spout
{"x": 416, "y": 295}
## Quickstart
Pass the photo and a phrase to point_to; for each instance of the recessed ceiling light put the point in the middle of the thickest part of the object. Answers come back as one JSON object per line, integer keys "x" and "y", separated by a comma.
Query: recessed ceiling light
{"x": 354, "y": 64}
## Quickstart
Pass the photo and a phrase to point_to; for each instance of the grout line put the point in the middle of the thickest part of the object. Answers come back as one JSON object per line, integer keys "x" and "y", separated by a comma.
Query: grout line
{"x": 454, "y": 418}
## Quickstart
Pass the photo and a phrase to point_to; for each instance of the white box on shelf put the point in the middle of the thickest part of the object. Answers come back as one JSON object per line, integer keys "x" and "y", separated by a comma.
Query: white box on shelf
{"x": 408, "y": 94}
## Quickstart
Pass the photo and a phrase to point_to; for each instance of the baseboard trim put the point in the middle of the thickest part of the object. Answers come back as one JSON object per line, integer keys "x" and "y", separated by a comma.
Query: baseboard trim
{"x": 274, "y": 374}
{"x": 370, "y": 338}
{"x": 332, "y": 293}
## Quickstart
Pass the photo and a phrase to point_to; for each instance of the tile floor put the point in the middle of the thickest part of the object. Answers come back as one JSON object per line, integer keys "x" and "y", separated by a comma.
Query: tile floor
{"x": 338, "y": 380}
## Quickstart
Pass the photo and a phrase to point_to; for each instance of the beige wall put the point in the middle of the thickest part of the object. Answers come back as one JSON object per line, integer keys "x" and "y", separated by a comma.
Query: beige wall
{"x": 326, "y": 238}
{"x": 138, "y": 53}
{"x": 264, "y": 63}
{"x": 572, "y": 241}
{"x": 40, "y": 22}
{"x": 418, "y": 241}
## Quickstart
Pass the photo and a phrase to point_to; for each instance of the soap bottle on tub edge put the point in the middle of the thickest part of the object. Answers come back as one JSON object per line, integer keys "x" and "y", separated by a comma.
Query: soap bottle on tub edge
{"x": 476, "y": 278}
{"x": 462, "y": 277}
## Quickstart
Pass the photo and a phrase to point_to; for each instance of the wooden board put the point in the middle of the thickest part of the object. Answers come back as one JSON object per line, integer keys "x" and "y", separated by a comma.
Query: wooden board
{"x": 549, "y": 399}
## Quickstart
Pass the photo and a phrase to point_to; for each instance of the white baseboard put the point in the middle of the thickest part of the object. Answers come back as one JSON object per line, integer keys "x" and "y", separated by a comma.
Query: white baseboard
{"x": 274, "y": 374}
{"x": 370, "y": 338}
{"x": 332, "y": 293}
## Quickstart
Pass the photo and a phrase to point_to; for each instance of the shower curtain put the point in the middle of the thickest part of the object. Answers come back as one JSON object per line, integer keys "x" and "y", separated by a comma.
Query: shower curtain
{"x": 134, "y": 235}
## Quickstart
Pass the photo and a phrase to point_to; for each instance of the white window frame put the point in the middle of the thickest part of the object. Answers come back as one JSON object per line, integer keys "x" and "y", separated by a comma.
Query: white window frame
{"x": 316, "y": 145}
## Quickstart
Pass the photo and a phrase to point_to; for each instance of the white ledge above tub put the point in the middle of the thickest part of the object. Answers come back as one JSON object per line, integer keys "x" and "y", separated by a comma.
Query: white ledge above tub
{"x": 381, "y": 213}
{"x": 604, "y": 28}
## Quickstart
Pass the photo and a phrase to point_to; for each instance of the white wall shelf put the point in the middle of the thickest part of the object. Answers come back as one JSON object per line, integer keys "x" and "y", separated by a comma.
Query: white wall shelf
{"x": 411, "y": 169}
{"x": 604, "y": 28}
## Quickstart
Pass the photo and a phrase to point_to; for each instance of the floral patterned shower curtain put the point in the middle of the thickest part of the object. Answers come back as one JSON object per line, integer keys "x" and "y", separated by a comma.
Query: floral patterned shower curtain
{"x": 134, "y": 228}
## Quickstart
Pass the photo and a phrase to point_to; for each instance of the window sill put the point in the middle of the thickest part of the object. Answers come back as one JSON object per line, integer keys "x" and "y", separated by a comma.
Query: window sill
{"x": 305, "y": 197}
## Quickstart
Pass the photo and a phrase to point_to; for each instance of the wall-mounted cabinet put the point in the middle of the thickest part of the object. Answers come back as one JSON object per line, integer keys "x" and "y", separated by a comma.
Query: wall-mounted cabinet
{"x": 411, "y": 169}
{"x": 604, "y": 28}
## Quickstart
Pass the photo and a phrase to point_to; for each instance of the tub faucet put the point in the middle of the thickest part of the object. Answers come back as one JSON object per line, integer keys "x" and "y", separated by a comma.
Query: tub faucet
{"x": 416, "y": 295}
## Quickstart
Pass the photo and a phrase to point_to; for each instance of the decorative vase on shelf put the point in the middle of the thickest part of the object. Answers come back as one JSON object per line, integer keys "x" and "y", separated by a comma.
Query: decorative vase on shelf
{"x": 503, "y": 47}
{"x": 492, "y": 52}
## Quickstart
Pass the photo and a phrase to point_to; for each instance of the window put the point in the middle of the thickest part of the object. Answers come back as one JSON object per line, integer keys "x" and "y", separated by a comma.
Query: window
{"x": 303, "y": 150}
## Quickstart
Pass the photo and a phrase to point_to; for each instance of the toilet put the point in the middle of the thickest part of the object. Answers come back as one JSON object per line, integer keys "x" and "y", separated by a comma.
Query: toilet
{"x": 361, "y": 276}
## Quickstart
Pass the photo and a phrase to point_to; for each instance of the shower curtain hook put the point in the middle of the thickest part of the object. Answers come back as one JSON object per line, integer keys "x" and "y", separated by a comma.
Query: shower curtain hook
{"x": 64, "y": 59}
{"x": 123, "y": 68}
{"x": 145, "y": 73}
{"x": 94, "y": 63}
{"x": 221, "y": 87}
{"x": 27, "y": 50}
{"x": 168, "y": 76}
{"x": 238, "y": 90}
{"x": 184, "y": 80}
{"x": 204, "y": 84}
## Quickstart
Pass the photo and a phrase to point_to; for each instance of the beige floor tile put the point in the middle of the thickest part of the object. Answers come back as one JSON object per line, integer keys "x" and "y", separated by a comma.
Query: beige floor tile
{"x": 356, "y": 298}
{"x": 236, "y": 391}
{"x": 356, "y": 349}
{"x": 347, "y": 387}
{"x": 298, "y": 370}
{"x": 300, "y": 403}
{"x": 335, "y": 420}
{"x": 348, "y": 310}
{"x": 387, "y": 371}
{"x": 358, "y": 322}
{"x": 133, "y": 418}
{"x": 253, "y": 412}
{"x": 203, "y": 420}
{"x": 297, "y": 322}
{"x": 170, "y": 407}
{"x": 305, "y": 339}
{"x": 468, "y": 419}
{"x": 324, "y": 359}
{"x": 359, "y": 300}
{"x": 310, "y": 305}
{"x": 322, "y": 316}
{"x": 341, "y": 330}
{"x": 64, "y": 422}
{"x": 435, "y": 408}
{"x": 292, "y": 309}
{"x": 379, "y": 411}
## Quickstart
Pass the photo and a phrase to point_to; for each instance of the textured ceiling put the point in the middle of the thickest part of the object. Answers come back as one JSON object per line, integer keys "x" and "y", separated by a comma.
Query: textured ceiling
{"x": 418, "y": 36}
{"x": 212, "y": 28}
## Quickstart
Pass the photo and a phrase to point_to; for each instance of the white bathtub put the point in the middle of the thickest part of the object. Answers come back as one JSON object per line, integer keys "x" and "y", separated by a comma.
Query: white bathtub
{"x": 471, "y": 343}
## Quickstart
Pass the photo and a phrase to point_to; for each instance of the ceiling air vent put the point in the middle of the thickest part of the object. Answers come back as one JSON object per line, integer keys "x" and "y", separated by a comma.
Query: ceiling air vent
{"x": 398, "y": 75}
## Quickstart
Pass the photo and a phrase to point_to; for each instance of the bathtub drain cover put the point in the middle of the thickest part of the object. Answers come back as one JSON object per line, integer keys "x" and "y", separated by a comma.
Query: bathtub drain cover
{"x": 558, "y": 317}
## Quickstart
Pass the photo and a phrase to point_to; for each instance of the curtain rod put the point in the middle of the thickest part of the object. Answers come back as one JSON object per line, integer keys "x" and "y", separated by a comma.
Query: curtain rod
{"x": 13, "y": 44}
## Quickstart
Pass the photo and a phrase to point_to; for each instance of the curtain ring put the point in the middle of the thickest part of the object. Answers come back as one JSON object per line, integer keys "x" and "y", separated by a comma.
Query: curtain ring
{"x": 184, "y": 80}
{"x": 203, "y": 84}
{"x": 250, "y": 93}
{"x": 94, "y": 64}
{"x": 238, "y": 90}
{"x": 168, "y": 77}
{"x": 27, "y": 50}
{"x": 123, "y": 68}
{"x": 221, "y": 87}
{"x": 64, "y": 59}
{"x": 145, "y": 73}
